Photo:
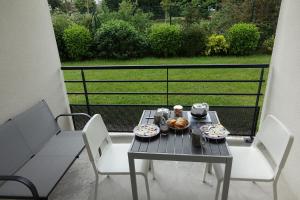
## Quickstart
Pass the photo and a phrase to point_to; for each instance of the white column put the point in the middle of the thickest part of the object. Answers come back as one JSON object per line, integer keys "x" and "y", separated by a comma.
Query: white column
{"x": 283, "y": 91}
{"x": 29, "y": 60}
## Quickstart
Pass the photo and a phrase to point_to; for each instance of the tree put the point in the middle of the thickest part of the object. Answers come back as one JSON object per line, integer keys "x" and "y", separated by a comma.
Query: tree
{"x": 85, "y": 6}
{"x": 265, "y": 16}
{"x": 166, "y": 4}
{"x": 152, "y": 6}
{"x": 195, "y": 10}
{"x": 113, "y": 5}
{"x": 262, "y": 13}
{"x": 54, "y": 4}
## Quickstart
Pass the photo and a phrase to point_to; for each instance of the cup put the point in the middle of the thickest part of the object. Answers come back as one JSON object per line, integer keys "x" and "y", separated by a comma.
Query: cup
{"x": 164, "y": 129}
{"x": 178, "y": 110}
{"x": 197, "y": 138}
{"x": 158, "y": 116}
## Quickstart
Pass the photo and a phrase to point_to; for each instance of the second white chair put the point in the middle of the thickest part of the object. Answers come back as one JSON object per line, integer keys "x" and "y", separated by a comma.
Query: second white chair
{"x": 263, "y": 160}
{"x": 108, "y": 158}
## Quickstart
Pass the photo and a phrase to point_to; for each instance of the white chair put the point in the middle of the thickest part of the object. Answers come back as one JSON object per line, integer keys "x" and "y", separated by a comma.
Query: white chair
{"x": 263, "y": 160}
{"x": 108, "y": 158}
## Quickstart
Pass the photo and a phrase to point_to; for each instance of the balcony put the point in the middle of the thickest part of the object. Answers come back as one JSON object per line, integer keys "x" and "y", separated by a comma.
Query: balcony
{"x": 237, "y": 100}
{"x": 240, "y": 119}
{"x": 31, "y": 71}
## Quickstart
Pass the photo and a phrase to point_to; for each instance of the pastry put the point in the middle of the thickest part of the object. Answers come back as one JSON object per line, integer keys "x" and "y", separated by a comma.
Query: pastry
{"x": 171, "y": 122}
{"x": 180, "y": 123}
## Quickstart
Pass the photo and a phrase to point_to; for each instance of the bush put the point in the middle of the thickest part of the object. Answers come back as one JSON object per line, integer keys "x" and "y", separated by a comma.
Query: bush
{"x": 77, "y": 40}
{"x": 242, "y": 38}
{"x": 193, "y": 40}
{"x": 60, "y": 22}
{"x": 135, "y": 16}
{"x": 119, "y": 39}
{"x": 127, "y": 12}
{"x": 216, "y": 45}
{"x": 268, "y": 44}
{"x": 165, "y": 39}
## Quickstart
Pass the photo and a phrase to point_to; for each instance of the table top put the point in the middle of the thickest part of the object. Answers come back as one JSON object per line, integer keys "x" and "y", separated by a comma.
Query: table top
{"x": 179, "y": 142}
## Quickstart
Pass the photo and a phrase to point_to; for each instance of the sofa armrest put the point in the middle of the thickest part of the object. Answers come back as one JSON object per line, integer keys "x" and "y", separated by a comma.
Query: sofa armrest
{"x": 72, "y": 114}
{"x": 25, "y": 182}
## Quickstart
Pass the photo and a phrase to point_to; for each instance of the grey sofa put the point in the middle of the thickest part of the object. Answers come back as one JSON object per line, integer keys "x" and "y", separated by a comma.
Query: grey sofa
{"x": 35, "y": 153}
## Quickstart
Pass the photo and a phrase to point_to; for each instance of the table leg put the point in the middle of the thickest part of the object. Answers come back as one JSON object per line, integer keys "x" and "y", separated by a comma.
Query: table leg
{"x": 132, "y": 177}
{"x": 226, "y": 178}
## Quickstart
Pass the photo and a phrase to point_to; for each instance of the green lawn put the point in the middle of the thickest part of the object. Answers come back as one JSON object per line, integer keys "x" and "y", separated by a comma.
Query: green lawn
{"x": 195, "y": 60}
{"x": 175, "y": 74}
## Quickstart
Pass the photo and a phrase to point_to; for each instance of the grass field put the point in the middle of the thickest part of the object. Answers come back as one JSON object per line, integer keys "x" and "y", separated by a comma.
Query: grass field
{"x": 174, "y": 74}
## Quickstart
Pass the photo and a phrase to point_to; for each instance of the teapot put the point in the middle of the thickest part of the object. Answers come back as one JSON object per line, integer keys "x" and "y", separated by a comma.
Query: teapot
{"x": 200, "y": 109}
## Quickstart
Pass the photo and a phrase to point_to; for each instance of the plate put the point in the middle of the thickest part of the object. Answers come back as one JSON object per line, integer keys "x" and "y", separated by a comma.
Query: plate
{"x": 174, "y": 128}
{"x": 214, "y": 131}
{"x": 146, "y": 130}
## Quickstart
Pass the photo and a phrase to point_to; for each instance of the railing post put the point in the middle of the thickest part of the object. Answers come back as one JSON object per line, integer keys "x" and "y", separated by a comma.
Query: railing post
{"x": 256, "y": 111}
{"x": 85, "y": 92}
{"x": 167, "y": 86}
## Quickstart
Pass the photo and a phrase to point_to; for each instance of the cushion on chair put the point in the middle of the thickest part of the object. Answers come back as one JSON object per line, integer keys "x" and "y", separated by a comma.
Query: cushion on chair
{"x": 114, "y": 159}
{"x": 66, "y": 143}
{"x": 14, "y": 151}
{"x": 43, "y": 171}
{"x": 248, "y": 163}
{"x": 37, "y": 125}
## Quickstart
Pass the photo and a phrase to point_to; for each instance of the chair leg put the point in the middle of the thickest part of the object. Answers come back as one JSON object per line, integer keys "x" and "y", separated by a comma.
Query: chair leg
{"x": 152, "y": 169}
{"x": 218, "y": 189}
{"x": 275, "y": 190}
{"x": 205, "y": 172}
{"x": 96, "y": 187}
{"x": 147, "y": 186}
{"x": 209, "y": 168}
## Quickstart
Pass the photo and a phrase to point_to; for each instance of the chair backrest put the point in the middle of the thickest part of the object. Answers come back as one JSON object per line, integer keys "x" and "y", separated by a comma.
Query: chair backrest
{"x": 277, "y": 140}
{"x": 14, "y": 152}
{"x": 94, "y": 135}
{"x": 37, "y": 125}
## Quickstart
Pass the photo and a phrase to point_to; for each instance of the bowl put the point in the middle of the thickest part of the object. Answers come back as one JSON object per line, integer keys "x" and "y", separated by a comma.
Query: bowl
{"x": 177, "y": 128}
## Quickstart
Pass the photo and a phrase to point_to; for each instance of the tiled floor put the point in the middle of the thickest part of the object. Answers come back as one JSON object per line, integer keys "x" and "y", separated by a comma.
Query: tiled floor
{"x": 175, "y": 181}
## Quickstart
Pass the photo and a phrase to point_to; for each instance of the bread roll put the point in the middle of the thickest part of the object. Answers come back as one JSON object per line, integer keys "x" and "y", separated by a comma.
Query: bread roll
{"x": 181, "y": 122}
{"x": 171, "y": 122}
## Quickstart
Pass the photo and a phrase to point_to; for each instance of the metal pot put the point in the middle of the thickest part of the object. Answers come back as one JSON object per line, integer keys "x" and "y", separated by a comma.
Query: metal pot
{"x": 200, "y": 109}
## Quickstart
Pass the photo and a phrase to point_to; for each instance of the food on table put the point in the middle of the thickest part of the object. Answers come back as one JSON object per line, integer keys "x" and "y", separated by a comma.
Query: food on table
{"x": 178, "y": 123}
{"x": 171, "y": 122}
{"x": 146, "y": 130}
{"x": 178, "y": 110}
{"x": 215, "y": 131}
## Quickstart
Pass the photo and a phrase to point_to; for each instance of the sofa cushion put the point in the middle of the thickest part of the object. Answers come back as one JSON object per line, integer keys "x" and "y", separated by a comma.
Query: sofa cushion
{"x": 14, "y": 151}
{"x": 66, "y": 143}
{"x": 37, "y": 125}
{"x": 43, "y": 171}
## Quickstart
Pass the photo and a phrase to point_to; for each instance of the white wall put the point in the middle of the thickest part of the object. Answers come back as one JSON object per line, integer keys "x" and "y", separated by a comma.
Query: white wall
{"x": 283, "y": 92}
{"x": 29, "y": 61}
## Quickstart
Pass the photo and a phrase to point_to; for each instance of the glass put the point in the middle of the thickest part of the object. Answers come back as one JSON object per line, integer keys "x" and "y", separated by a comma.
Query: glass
{"x": 197, "y": 138}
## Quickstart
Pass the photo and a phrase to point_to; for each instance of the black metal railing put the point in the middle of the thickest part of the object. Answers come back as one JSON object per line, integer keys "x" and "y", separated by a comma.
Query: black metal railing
{"x": 239, "y": 119}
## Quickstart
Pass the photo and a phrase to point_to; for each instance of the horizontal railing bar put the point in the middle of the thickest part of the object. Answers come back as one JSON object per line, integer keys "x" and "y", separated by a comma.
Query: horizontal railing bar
{"x": 163, "y": 81}
{"x": 163, "y": 93}
{"x": 171, "y": 66}
{"x": 158, "y": 105}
